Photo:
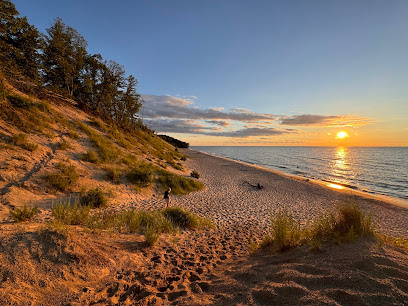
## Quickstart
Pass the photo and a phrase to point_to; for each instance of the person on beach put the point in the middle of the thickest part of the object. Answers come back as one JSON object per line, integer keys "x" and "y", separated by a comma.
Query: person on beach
{"x": 167, "y": 196}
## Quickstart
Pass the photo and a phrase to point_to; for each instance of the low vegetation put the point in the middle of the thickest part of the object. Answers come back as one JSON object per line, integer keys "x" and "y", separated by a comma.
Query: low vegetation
{"x": 22, "y": 141}
{"x": 23, "y": 214}
{"x": 90, "y": 156}
{"x": 179, "y": 185}
{"x": 141, "y": 175}
{"x": 63, "y": 145}
{"x": 347, "y": 224}
{"x": 20, "y": 101}
{"x": 181, "y": 217}
{"x": 64, "y": 178}
{"x": 148, "y": 223}
{"x": 195, "y": 174}
{"x": 73, "y": 134}
{"x": 71, "y": 214}
{"x": 94, "y": 198}
{"x": 106, "y": 149}
{"x": 114, "y": 174}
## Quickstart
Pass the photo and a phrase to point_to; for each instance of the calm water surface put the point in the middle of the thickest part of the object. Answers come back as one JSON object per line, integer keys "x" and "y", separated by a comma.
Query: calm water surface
{"x": 378, "y": 170}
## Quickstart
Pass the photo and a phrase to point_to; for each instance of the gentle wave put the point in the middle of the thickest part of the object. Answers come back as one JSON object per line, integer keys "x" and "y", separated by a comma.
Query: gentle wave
{"x": 378, "y": 170}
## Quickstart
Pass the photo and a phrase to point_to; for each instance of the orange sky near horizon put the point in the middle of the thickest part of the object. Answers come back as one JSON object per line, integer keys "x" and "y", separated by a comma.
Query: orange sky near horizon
{"x": 367, "y": 136}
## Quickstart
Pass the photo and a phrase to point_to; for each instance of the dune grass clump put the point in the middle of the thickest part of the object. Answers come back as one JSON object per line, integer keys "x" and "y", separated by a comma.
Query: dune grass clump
{"x": 179, "y": 184}
{"x": 71, "y": 214}
{"x": 73, "y": 134}
{"x": 94, "y": 198}
{"x": 23, "y": 214}
{"x": 99, "y": 123}
{"x": 22, "y": 141}
{"x": 90, "y": 156}
{"x": 284, "y": 231}
{"x": 114, "y": 174}
{"x": 141, "y": 175}
{"x": 181, "y": 217}
{"x": 64, "y": 178}
{"x": 346, "y": 224}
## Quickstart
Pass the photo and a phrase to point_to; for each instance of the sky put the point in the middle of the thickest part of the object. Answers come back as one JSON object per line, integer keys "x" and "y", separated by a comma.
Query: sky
{"x": 254, "y": 72}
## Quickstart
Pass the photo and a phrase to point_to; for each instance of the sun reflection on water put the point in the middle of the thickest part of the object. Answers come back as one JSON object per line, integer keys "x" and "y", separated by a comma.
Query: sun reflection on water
{"x": 340, "y": 163}
{"x": 335, "y": 186}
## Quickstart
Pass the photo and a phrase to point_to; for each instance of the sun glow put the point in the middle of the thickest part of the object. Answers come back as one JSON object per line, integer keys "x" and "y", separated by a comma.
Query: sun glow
{"x": 341, "y": 135}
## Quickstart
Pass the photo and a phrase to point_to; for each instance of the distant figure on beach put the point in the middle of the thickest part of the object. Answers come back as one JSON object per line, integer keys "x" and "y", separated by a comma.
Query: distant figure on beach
{"x": 257, "y": 186}
{"x": 167, "y": 196}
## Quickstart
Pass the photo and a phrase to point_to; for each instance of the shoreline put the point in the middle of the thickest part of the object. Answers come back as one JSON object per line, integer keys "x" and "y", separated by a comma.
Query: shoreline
{"x": 326, "y": 184}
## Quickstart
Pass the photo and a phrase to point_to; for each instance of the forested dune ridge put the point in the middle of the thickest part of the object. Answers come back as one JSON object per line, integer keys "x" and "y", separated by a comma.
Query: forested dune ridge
{"x": 58, "y": 60}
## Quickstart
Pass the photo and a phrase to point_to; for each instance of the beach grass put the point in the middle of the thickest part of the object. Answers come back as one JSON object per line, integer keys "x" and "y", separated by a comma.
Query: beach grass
{"x": 179, "y": 185}
{"x": 23, "y": 214}
{"x": 95, "y": 198}
{"x": 148, "y": 223}
{"x": 65, "y": 177}
{"x": 346, "y": 224}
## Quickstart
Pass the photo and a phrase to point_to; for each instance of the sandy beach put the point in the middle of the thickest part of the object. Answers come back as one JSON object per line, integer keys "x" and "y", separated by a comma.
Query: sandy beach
{"x": 229, "y": 199}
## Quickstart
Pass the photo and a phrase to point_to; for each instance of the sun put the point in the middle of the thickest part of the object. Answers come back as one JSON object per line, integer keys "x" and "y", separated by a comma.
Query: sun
{"x": 341, "y": 135}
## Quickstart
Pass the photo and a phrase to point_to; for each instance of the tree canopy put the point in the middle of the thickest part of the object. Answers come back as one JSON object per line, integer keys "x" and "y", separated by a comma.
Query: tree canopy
{"x": 58, "y": 60}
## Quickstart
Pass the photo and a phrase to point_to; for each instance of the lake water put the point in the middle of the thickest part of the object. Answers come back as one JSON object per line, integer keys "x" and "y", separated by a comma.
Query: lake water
{"x": 378, "y": 170}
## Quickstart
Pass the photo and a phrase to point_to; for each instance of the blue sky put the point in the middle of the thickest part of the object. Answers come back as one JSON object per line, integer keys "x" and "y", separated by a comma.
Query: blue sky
{"x": 283, "y": 58}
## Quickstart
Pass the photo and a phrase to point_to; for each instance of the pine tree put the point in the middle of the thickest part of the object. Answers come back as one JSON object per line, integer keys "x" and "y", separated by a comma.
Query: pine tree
{"x": 19, "y": 42}
{"x": 64, "y": 53}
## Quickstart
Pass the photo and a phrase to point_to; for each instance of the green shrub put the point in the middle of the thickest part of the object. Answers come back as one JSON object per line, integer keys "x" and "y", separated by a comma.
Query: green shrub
{"x": 195, "y": 174}
{"x": 141, "y": 175}
{"x": 94, "y": 198}
{"x": 22, "y": 141}
{"x": 66, "y": 213}
{"x": 64, "y": 178}
{"x": 26, "y": 213}
{"x": 90, "y": 156}
{"x": 179, "y": 184}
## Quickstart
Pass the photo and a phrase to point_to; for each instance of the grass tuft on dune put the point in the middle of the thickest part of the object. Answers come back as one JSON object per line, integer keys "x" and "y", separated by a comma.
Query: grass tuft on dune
{"x": 346, "y": 224}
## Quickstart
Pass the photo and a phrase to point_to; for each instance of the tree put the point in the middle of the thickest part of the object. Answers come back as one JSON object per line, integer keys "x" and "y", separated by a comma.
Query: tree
{"x": 130, "y": 103}
{"x": 19, "y": 42}
{"x": 64, "y": 53}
